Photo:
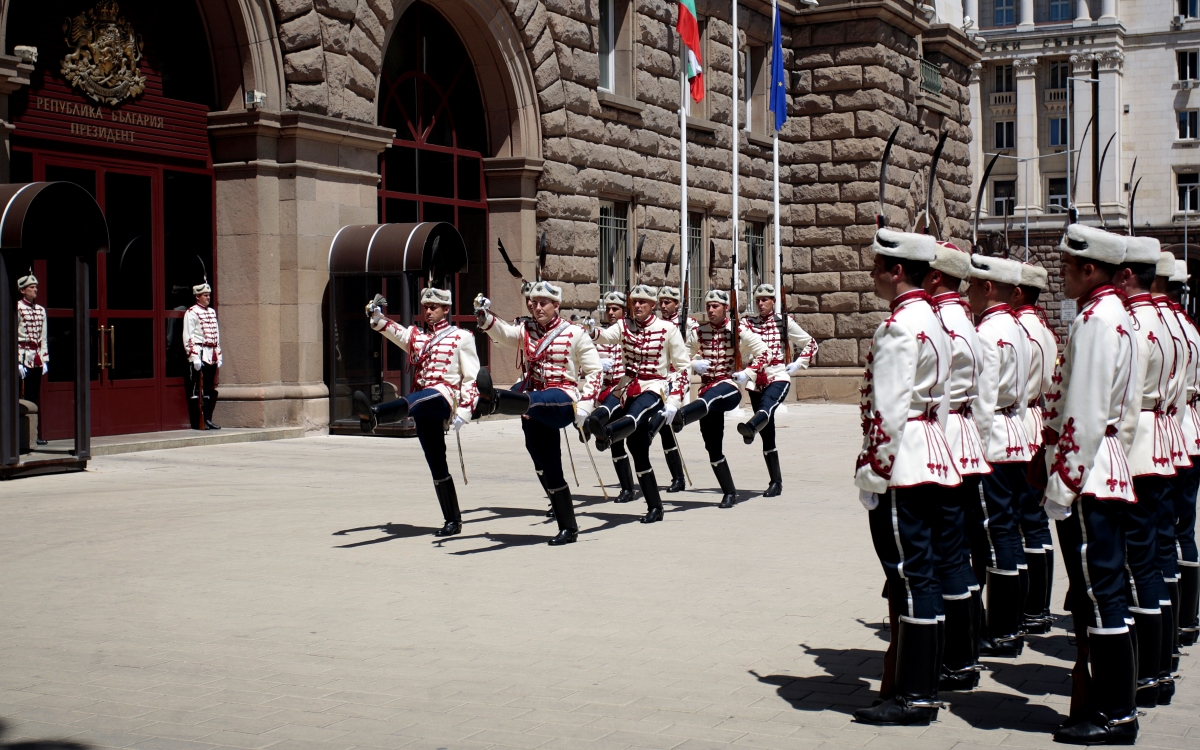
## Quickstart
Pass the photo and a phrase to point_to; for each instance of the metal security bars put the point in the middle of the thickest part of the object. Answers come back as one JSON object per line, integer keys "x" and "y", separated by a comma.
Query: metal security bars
{"x": 698, "y": 262}
{"x": 931, "y": 77}
{"x": 756, "y": 257}
{"x": 614, "y": 246}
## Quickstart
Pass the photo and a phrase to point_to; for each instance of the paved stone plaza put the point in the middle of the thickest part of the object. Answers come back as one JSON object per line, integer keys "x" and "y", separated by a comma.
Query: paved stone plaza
{"x": 289, "y": 595}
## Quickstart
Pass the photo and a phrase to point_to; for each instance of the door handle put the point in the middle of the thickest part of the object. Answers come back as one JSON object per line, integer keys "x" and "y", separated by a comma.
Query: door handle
{"x": 102, "y": 362}
{"x": 112, "y": 346}
{"x": 107, "y": 347}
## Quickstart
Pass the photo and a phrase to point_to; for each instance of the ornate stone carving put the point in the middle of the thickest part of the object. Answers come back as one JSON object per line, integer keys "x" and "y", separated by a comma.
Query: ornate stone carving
{"x": 104, "y": 63}
{"x": 1025, "y": 66}
{"x": 1112, "y": 59}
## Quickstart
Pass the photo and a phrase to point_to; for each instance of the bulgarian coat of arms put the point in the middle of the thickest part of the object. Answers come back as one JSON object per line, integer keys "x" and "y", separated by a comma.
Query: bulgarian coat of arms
{"x": 104, "y": 63}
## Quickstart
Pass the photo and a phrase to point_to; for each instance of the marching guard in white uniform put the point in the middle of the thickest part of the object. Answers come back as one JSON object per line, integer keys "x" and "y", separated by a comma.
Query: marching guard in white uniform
{"x": 561, "y": 374}
{"x": 608, "y": 400}
{"x": 1090, "y": 415}
{"x": 904, "y": 470}
{"x": 960, "y": 590}
{"x": 790, "y": 350}
{"x": 668, "y": 309}
{"x": 712, "y": 350}
{"x": 202, "y": 345}
{"x": 445, "y": 365}
{"x": 33, "y": 353}
{"x": 656, "y": 367}
{"x": 992, "y": 520}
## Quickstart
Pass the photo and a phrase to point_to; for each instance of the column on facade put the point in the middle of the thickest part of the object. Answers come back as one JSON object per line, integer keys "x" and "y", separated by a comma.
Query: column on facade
{"x": 1108, "y": 11}
{"x": 971, "y": 10}
{"x": 1109, "y": 66}
{"x": 1026, "y": 18}
{"x": 1083, "y": 14}
{"x": 1029, "y": 173}
{"x": 1081, "y": 114}
{"x": 977, "y": 134}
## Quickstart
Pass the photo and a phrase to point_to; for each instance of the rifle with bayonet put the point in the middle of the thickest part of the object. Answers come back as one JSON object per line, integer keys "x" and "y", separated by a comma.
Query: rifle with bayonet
{"x": 735, "y": 327}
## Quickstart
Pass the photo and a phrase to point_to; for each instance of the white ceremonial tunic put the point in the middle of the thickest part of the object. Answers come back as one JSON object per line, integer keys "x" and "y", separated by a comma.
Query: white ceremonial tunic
{"x": 715, "y": 344}
{"x": 655, "y": 358}
{"x": 561, "y": 355}
{"x": 443, "y": 359}
{"x": 32, "y": 335}
{"x": 1043, "y": 349}
{"x": 201, "y": 337}
{"x": 963, "y": 422}
{"x": 1089, "y": 406}
{"x": 609, "y": 379}
{"x": 1176, "y": 396}
{"x": 1150, "y": 452}
{"x": 904, "y": 386}
{"x": 692, "y": 325}
{"x": 770, "y": 330}
{"x": 1002, "y": 395}
{"x": 1191, "y": 419}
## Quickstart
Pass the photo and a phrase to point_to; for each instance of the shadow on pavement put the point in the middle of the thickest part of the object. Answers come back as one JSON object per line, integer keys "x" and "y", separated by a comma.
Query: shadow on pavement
{"x": 882, "y": 631}
{"x": 844, "y": 686}
{"x": 393, "y": 531}
{"x": 37, "y": 744}
{"x": 987, "y": 710}
{"x": 1032, "y": 679}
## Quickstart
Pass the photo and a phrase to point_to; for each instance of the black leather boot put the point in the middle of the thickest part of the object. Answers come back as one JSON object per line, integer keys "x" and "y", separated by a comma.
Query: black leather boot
{"x": 512, "y": 403}
{"x": 624, "y": 476}
{"x": 1173, "y": 593}
{"x": 1111, "y": 713}
{"x": 753, "y": 426}
{"x": 978, "y": 623}
{"x": 1049, "y": 584}
{"x": 367, "y": 420}
{"x": 593, "y": 426}
{"x": 1003, "y": 638}
{"x": 1189, "y": 597}
{"x": 1166, "y": 654}
{"x": 615, "y": 431}
{"x": 210, "y": 404}
{"x": 915, "y": 701}
{"x": 725, "y": 480}
{"x": 775, "y": 485}
{"x": 1035, "y": 596}
{"x": 564, "y": 512}
{"x": 960, "y": 671}
{"x": 487, "y": 394}
{"x": 674, "y": 462}
{"x": 692, "y": 412}
{"x": 542, "y": 481}
{"x": 448, "y": 499}
{"x": 654, "y": 507}
{"x": 1148, "y": 640}
{"x": 654, "y": 424}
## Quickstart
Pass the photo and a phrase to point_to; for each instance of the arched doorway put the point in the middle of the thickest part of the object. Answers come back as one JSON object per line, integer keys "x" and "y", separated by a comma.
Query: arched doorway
{"x": 430, "y": 95}
{"x": 136, "y": 139}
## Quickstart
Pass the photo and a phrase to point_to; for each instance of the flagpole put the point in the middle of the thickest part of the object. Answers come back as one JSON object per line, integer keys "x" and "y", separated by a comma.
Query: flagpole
{"x": 735, "y": 282}
{"x": 775, "y": 195}
{"x": 683, "y": 199}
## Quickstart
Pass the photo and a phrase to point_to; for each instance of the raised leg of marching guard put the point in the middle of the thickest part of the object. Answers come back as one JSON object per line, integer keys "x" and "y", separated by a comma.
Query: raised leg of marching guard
{"x": 561, "y": 377}
{"x": 714, "y": 358}
{"x": 1088, "y": 432}
{"x": 445, "y": 366}
{"x": 612, "y": 366}
{"x": 960, "y": 589}
{"x": 1188, "y": 479}
{"x": 669, "y": 298}
{"x": 651, "y": 389}
{"x": 904, "y": 469}
{"x": 1001, "y": 404}
{"x": 789, "y": 350}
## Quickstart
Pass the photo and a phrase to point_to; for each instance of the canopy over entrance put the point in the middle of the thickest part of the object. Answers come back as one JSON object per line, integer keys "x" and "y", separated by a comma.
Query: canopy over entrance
{"x": 433, "y": 249}
{"x": 44, "y": 220}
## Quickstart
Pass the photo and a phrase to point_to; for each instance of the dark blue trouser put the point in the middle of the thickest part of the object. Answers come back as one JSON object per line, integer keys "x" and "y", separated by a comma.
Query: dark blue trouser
{"x": 903, "y": 528}
{"x": 952, "y": 559}
{"x": 642, "y": 408}
{"x": 611, "y": 404}
{"x": 430, "y": 410}
{"x": 1093, "y": 552}
{"x": 1185, "y": 514}
{"x": 721, "y": 398}
{"x": 992, "y": 521}
{"x": 766, "y": 401}
{"x": 1140, "y": 523}
{"x": 1032, "y": 520}
{"x": 549, "y": 411}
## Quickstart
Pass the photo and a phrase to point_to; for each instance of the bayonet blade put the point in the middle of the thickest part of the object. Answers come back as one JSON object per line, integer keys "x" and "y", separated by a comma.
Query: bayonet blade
{"x": 979, "y": 201}
{"x": 933, "y": 167}
{"x": 512, "y": 270}
{"x": 883, "y": 166}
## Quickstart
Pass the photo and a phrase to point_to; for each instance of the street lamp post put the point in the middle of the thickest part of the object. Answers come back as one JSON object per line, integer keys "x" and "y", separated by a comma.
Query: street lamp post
{"x": 1071, "y": 134}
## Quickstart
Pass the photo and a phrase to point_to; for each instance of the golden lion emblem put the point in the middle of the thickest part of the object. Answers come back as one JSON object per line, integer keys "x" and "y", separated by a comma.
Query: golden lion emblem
{"x": 104, "y": 64}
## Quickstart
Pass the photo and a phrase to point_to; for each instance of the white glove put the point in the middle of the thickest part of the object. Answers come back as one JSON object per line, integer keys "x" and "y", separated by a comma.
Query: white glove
{"x": 220, "y": 361}
{"x": 743, "y": 377}
{"x": 197, "y": 364}
{"x": 669, "y": 412}
{"x": 606, "y": 364}
{"x": 378, "y": 320}
{"x": 45, "y": 367}
{"x": 458, "y": 423}
{"x": 700, "y": 366}
{"x": 1057, "y": 512}
{"x": 796, "y": 367}
{"x": 21, "y": 369}
{"x": 869, "y": 500}
{"x": 582, "y": 412}
{"x": 482, "y": 303}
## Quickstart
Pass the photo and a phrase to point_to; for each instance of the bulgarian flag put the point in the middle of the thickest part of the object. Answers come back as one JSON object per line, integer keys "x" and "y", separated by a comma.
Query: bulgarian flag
{"x": 689, "y": 33}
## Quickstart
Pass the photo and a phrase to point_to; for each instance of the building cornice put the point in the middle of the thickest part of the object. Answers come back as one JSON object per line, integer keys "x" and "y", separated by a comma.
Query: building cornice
{"x": 952, "y": 42}
{"x": 903, "y": 15}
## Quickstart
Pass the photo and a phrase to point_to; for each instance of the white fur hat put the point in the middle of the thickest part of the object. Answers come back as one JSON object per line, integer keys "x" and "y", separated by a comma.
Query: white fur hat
{"x": 644, "y": 292}
{"x": 1141, "y": 250}
{"x": 613, "y": 298}
{"x": 999, "y": 270}
{"x": 1181, "y": 272}
{"x": 906, "y": 245}
{"x": 526, "y": 288}
{"x": 952, "y": 261}
{"x": 669, "y": 292}
{"x": 1166, "y": 264}
{"x": 764, "y": 290}
{"x": 201, "y": 289}
{"x": 546, "y": 290}
{"x": 435, "y": 296}
{"x": 25, "y": 281}
{"x": 1093, "y": 244}
{"x": 1035, "y": 276}
{"x": 718, "y": 296}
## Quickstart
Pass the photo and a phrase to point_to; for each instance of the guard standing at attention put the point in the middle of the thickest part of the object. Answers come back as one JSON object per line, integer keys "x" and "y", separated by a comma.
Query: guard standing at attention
{"x": 668, "y": 310}
{"x": 992, "y": 521}
{"x": 202, "y": 345}
{"x": 445, "y": 365}
{"x": 960, "y": 589}
{"x": 33, "y": 353}
{"x": 1090, "y": 413}
{"x": 561, "y": 377}
{"x": 612, "y": 366}
{"x": 790, "y": 350}
{"x": 904, "y": 469}
{"x": 713, "y": 359}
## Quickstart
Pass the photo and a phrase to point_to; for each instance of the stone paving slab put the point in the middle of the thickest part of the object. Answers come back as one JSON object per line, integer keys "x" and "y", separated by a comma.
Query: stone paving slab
{"x": 289, "y": 595}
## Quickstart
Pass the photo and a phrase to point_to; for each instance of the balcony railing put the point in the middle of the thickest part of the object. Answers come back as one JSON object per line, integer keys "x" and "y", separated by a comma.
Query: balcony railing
{"x": 1003, "y": 98}
{"x": 931, "y": 77}
{"x": 1056, "y": 96}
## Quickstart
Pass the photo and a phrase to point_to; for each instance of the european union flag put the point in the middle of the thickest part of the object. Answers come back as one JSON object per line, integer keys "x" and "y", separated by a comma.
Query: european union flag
{"x": 778, "y": 99}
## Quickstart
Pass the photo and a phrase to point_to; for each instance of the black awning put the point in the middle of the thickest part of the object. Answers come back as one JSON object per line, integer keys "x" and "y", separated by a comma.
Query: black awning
{"x": 428, "y": 248}
{"x": 42, "y": 219}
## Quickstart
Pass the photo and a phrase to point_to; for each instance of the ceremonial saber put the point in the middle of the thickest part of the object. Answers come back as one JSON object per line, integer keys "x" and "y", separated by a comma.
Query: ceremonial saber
{"x": 571, "y": 455}
{"x": 461, "y": 464}
{"x": 594, "y": 467}
{"x": 682, "y": 461}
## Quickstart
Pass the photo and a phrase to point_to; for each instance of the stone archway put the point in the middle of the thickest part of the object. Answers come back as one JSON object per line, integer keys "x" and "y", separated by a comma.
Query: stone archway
{"x": 243, "y": 42}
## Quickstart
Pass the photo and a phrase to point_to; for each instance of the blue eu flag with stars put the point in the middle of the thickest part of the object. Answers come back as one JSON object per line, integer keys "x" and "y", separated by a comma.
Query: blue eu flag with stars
{"x": 778, "y": 100}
